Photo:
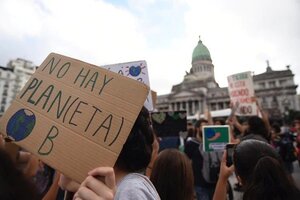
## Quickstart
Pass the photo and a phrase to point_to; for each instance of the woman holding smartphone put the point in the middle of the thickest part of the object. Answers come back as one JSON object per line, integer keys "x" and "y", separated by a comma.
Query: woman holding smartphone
{"x": 261, "y": 172}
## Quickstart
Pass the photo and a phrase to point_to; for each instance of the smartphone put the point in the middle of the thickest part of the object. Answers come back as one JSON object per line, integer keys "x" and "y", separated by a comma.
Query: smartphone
{"x": 229, "y": 154}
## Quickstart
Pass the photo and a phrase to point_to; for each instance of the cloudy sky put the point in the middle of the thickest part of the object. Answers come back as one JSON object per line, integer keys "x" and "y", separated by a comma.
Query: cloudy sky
{"x": 241, "y": 35}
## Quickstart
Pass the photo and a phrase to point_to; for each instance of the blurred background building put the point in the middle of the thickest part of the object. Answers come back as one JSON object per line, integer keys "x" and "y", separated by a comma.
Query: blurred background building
{"x": 276, "y": 90}
{"x": 12, "y": 78}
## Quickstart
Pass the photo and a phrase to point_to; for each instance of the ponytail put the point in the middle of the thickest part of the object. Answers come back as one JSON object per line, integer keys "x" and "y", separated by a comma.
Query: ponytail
{"x": 137, "y": 150}
{"x": 269, "y": 180}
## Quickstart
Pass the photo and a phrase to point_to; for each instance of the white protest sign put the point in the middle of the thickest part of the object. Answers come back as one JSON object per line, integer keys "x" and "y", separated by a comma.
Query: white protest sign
{"x": 136, "y": 70}
{"x": 241, "y": 92}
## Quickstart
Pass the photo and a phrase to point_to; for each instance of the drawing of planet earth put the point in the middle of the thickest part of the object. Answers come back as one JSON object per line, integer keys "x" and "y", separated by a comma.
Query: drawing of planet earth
{"x": 21, "y": 124}
{"x": 212, "y": 135}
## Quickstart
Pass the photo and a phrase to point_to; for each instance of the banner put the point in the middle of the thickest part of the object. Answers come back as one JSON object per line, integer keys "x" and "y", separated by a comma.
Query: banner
{"x": 241, "y": 92}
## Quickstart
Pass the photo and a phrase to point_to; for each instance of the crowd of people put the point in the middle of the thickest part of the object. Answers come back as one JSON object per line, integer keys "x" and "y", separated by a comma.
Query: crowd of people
{"x": 263, "y": 159}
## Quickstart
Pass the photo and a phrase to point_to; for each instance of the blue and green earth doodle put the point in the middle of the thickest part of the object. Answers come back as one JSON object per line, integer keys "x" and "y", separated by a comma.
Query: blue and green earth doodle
{"x": 215, "y": 138}
{"x": 21, "y": 124}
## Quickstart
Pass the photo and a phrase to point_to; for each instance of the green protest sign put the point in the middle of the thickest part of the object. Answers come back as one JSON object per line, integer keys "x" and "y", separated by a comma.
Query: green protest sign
{"x": 215, "y": 138}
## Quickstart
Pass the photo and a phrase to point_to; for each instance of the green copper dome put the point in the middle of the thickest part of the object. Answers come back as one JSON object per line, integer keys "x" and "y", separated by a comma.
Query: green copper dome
{"x": 200, "y": 52}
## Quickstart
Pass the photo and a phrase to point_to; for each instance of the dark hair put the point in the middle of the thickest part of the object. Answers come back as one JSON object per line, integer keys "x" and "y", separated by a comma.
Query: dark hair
{"x": 199, "y": 122}
{"x": 257, "y": 126}
{"x": 262, "y": 172}
{"x": 13, "y": 183}
{"x": 172, "y": 175}
{"x": 276, "y": 128}
{"x": 220, "y": 120}
{"x": 136, "y": 152}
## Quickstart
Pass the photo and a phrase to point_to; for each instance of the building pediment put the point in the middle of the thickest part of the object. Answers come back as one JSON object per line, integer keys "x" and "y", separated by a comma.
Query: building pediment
{"x": 185, "y": 94}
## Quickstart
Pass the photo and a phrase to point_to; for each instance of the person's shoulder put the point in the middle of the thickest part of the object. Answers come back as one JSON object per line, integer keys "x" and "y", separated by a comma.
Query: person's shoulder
{"x": 192, "y": 141}
{"x": 255, "y": 137}
{"x": 136, "y": 186}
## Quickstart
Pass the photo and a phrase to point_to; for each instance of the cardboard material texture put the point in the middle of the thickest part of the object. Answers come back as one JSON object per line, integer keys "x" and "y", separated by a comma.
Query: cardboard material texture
{"x": 73, "y": 115}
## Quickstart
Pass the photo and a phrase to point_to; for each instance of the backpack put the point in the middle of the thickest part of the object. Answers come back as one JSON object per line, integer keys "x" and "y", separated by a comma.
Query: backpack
{"x": 287, "y": 150}
{"x": 211, "y": 165}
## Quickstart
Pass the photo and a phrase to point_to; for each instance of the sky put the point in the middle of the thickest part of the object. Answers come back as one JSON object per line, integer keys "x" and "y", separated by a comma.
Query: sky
{"x": 240, "y": 35}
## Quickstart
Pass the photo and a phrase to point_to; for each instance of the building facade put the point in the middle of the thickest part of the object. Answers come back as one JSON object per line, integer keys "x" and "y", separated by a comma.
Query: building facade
{"x": 6, "y": 88}
{"x": 275, "y": 90}
{"x": 12, "y": 79}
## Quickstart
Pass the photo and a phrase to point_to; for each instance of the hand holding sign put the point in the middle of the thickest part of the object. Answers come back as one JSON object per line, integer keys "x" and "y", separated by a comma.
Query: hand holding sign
{"x": 93, "y": 188}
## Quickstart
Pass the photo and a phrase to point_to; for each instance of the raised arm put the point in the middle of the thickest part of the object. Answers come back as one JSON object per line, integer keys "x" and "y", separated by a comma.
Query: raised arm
{"x": 208, "y": 116}
{"x": 221, "y": 187}
{"x": 264, "y": 116}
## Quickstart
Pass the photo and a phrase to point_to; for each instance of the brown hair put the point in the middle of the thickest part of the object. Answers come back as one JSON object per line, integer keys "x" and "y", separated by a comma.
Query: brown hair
{"x": 172, "y": 175}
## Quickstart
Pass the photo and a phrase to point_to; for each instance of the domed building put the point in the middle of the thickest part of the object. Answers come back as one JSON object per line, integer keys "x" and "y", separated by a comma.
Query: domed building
{"x": 197, "y": 88}
{"x": 275, "y": 90}
{"x": 202, "y": 67}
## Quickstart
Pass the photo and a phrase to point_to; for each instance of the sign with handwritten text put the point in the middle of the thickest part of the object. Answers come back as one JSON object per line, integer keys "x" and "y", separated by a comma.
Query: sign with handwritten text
{"x": 73, "y": 115}
{"x": 241, "y": 92}
{"x": 136, "y": 70}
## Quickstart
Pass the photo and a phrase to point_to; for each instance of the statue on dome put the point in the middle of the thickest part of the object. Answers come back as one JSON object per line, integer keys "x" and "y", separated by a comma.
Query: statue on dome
{"x": 190, "y": 76}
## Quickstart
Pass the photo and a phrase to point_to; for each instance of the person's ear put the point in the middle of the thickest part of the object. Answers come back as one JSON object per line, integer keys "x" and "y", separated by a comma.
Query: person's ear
{"x": 239, "y": 180}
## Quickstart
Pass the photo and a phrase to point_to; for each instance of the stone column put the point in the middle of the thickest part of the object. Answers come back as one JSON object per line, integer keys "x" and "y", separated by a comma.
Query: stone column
{"x": 170, "y": 106}
{"x": 200, "y": 106}
{"x": 193, "y": 107}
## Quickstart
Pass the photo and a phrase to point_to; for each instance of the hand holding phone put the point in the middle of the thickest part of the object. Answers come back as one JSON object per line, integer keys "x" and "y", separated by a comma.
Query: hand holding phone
{"x": 229, "y": 154}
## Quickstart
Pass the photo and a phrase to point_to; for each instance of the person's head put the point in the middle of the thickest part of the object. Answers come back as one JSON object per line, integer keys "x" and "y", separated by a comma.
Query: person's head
{"x": 219, "y": 121}
{"x": 275, "y": 130}
{"x": 190, "y": 129}
{"x": 136, "y": 152}
{"x": 261, "y": 171}
{"x": 172, "y": 175}
{"x": 257, "y": 126}
{"x": 198, "y": 126}
{"x": 297, "y": 123}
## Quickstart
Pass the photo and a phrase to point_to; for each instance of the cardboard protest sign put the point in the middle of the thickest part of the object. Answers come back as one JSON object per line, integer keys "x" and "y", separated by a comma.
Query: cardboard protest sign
{"x": 167, "y": 124}
{"x": 154, "y": 98}
{"x": 241, "y": 92}
{"x": 136, "y": 70}
{"x": 73, "y": 115}
{"x": 215, "y": 138}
